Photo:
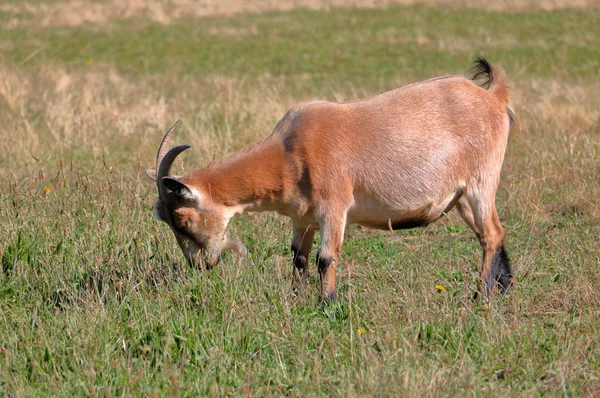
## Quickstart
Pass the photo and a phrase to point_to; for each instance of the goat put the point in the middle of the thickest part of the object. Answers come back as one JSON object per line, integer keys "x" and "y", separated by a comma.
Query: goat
{"x": 398, "y": 160}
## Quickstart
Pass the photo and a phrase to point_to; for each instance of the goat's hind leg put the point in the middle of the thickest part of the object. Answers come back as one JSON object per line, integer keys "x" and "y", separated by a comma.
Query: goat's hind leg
{"x": 496, "y": 270}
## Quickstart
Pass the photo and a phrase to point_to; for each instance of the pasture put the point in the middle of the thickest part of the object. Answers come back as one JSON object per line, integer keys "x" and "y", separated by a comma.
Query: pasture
{"x": 97, "y": 299}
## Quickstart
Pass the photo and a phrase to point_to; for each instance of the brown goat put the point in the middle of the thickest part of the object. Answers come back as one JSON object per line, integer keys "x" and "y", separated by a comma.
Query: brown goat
{"x": 397, "y": 160}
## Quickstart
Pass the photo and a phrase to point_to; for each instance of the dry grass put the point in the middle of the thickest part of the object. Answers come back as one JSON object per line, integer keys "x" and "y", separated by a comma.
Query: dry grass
{"x": 80, "y": 12}
{"x": 555, "y": 147}
{"x": 553, "y": 150}
{"x": 99, "y": 112}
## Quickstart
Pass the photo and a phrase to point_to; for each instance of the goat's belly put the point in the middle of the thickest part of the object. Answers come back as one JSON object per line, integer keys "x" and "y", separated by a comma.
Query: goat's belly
{"x": 376, "y": 214}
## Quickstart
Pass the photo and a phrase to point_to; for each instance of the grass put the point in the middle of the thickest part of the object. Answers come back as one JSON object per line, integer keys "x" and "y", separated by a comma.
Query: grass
{"x": 417, "y": 41}
{"x": 96, "y": 298}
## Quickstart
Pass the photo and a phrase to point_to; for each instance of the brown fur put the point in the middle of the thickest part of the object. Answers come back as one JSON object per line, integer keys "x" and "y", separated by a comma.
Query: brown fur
{"x": 400, "y": 158}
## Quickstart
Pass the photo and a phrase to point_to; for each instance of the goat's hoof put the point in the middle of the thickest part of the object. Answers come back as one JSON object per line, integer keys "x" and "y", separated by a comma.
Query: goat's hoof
{"x": 485, "y": 297}
{"x": 330, "y": 297}
{"x": 509, "y": 286}
{"x": 298, "y": 290}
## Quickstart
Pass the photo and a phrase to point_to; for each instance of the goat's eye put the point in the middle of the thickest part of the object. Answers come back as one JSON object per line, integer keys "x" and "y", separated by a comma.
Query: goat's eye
{"x": 182, "y": 224}
{"x": 179, "y": 222}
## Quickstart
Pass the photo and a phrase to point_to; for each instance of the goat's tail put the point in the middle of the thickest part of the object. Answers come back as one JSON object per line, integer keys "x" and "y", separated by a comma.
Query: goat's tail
{"x": 496, "y": 80}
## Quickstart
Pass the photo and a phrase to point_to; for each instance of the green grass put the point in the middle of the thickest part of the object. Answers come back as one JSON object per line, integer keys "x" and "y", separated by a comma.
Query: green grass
{"x": 362, "y": 47}
{"x": 96, "y": 298}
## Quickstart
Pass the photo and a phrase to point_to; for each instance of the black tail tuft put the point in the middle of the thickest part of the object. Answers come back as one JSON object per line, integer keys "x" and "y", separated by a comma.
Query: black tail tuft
{"x": 481, "y": 69}
{"x": 501, "y": 270}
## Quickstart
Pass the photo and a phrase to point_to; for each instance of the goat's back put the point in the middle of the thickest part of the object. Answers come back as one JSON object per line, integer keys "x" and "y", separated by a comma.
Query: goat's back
{"x": 417, "y": 141}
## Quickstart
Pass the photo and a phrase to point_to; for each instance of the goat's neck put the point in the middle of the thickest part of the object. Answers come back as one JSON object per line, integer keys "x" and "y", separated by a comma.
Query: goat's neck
{"x": 255, "y": 179}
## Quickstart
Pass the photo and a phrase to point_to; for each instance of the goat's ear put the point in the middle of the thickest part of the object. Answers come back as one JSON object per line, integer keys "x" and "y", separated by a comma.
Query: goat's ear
{"x": 151, "y": 173}
{"x": 180, "y": 189}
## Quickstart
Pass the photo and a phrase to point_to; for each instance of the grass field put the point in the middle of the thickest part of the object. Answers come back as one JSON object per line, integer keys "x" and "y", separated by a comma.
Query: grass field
{"x": 96, "y": 298}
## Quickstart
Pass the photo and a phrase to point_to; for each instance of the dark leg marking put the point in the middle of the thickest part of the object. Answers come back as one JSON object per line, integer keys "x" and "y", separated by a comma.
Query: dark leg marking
{"x": 502, "y": 272}
{"x": 323, "y": 263}
{"x": 299, "y": 259}
{"x": 300, "y": 270}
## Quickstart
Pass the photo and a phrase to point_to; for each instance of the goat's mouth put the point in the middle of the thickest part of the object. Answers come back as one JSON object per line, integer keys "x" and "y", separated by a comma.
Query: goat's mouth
{"x": 211, "y": 257}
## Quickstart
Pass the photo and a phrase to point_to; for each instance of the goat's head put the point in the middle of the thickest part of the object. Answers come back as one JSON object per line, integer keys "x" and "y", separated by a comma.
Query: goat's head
{"x": 199, "y": 224}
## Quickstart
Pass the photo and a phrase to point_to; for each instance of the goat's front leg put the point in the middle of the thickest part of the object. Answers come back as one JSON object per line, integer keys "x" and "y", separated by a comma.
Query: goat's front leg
{"x": 302, "y": 241}
{"x": 332, "y": 238}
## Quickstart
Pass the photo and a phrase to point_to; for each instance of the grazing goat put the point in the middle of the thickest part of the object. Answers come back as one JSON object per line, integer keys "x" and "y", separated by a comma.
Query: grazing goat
{"x": 398, "y": 160}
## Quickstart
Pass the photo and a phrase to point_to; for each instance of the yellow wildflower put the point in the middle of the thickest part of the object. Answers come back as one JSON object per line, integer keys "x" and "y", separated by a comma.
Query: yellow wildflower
{"x": 440, "y": 288}
{"x": 361, "y": 331}
{"x": 90, "y": 61}
{"x": 47, "y": 190}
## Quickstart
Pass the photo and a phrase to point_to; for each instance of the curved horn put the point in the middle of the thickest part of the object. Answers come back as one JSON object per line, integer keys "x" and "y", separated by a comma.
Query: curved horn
{"x": 164, "y": 169}
{"x": 164, "y": 145}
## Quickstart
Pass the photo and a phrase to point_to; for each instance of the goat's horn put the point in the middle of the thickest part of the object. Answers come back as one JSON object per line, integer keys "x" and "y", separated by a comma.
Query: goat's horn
{"x": 164, "y": 169}
{"x": 164, "y": 145}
